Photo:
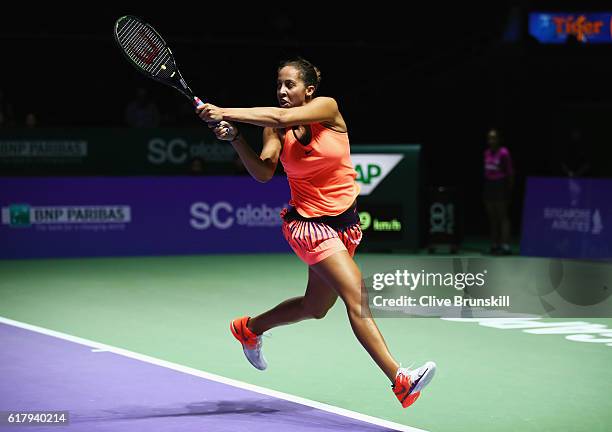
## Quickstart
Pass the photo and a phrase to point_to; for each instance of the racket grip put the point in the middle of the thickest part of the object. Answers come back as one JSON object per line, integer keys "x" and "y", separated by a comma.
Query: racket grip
{"x": 198, "y": 103}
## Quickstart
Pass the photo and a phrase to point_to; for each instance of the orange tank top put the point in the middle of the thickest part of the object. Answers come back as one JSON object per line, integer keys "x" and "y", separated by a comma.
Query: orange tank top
{"x": 320, "y": 173}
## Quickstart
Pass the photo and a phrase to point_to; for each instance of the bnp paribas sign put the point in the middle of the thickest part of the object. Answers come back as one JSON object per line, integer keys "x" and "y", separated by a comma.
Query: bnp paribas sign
{"x": 372, "y": 168}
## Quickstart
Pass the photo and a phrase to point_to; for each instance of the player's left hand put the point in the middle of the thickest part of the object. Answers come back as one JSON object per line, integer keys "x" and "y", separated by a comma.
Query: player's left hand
{"x": 224, "y": 131}
{"x": 210, "y": 113}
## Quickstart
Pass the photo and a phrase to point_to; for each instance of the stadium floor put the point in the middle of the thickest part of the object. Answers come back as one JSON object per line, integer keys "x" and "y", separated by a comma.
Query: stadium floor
{"x": 174, "y": 312}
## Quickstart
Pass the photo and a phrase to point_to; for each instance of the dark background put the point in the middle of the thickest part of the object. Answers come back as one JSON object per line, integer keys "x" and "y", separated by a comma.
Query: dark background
{"x": 436, "y": 74}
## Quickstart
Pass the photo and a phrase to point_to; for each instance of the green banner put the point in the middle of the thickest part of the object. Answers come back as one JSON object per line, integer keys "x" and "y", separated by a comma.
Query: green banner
{"x": 120, "y": 151}
{"x": 389, "y": 176}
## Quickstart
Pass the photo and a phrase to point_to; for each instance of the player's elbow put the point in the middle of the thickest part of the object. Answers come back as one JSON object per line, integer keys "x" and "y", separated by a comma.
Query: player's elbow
{"x": 263, "y": 178}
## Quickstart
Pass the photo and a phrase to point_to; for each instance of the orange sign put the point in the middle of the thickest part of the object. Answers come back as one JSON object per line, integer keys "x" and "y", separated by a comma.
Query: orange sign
{"x": 579, "y": 26}
{"x": 555, "y": 27}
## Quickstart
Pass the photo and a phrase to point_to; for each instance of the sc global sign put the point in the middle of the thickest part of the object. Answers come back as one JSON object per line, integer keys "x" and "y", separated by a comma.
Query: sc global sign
{"x": 224, "y": 215}
{"x": 176, "y": 151}
{"x": 372, "y": 168}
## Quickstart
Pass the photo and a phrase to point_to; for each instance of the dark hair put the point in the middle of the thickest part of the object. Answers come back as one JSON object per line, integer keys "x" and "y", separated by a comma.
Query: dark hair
{"x": 309, "y": 73}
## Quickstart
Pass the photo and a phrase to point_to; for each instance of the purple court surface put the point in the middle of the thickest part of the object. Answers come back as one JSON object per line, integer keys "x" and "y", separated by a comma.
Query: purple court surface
{"x": 106, "y": 391}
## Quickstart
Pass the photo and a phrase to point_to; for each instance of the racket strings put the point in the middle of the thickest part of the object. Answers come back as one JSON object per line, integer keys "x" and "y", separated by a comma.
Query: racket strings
{"x": 128, "y": 36}
{"x": 146, "y": 49}
{"x": 166, "y": 68}
{"x": 141, "y": 47}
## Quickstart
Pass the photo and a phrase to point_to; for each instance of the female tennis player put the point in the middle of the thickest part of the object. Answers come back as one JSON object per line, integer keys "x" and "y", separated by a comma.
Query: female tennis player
{"x": 309, "y": 136}
{"x": 497, "y": 192}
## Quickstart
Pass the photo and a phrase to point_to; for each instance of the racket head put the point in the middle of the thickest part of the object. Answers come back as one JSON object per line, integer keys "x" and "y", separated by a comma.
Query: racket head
{"x": 147, "y": 51}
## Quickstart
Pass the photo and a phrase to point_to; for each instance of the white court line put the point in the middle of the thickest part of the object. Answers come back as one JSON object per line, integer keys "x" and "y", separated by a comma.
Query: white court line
{"x": 217, "y": 378}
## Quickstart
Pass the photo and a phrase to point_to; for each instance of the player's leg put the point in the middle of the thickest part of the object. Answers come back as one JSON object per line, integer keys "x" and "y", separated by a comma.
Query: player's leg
{"x": 501, "y": 210}
{"x": 340, "y": 272}
{"x": 494, "y": 225}
{"x": 315, "y": 303}
{"x": 308, "y": 241}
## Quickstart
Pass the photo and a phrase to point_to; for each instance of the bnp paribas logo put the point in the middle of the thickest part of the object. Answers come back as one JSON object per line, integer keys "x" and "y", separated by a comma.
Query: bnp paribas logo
{"x": 16, "y": 215}
{"x": 24, "y": 215}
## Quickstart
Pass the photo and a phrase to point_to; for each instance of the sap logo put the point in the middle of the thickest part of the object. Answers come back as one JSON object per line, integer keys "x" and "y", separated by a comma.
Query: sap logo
{"x": 373, "y": 168}
{"x": 371, "y": 172}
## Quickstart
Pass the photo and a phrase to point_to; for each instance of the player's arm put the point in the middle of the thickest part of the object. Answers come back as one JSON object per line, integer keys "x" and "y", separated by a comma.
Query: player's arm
{"x": 260, "y": 167}
{"x": 265, "y": 167}
{"x": 319, "y": 110}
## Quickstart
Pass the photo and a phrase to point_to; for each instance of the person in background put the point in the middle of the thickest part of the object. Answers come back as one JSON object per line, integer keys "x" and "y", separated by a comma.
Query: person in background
{"x": 196, "y": 166}
{"x": 7, "y": 113}
{"x": 142, "y": 111}
{"x": 498, "y": 186}
{"x": 574, "y": 161}
{"x": 31, "y": 121}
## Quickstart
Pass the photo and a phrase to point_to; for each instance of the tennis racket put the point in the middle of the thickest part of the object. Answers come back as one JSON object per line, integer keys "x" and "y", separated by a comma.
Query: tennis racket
{"x": 147, "y": 51}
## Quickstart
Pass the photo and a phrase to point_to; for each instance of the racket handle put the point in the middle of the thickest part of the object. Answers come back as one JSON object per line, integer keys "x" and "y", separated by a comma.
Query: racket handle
{"x": 198, "y": 103}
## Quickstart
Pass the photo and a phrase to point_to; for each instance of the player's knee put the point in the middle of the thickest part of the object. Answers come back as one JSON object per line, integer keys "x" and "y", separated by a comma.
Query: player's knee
{"x": 354, "y": 305}
{"x": 315, "y": 311}
{"x": 320, "y": 313}
{"x": 355, "y": 310}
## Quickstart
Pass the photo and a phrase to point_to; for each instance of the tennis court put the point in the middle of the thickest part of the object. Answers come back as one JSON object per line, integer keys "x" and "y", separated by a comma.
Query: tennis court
{"x": 143, "y": 343}
{"x": 163, "y": 176}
